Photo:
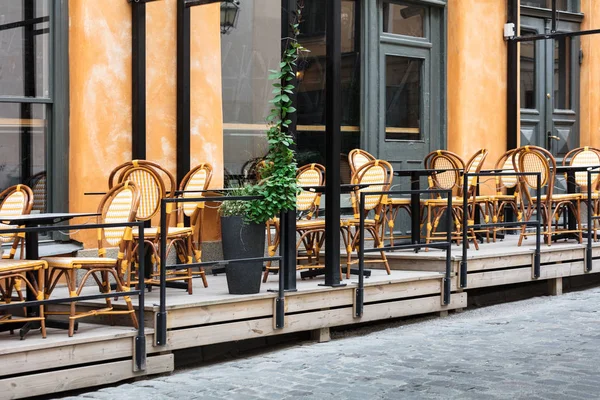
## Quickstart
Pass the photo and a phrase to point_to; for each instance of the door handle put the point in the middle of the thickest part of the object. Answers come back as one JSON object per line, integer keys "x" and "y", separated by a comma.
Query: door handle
{"x": 557, "y": 138}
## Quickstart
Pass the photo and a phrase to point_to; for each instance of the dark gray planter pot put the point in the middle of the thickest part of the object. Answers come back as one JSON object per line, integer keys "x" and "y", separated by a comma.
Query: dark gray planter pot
{"x": 242, "y": 240}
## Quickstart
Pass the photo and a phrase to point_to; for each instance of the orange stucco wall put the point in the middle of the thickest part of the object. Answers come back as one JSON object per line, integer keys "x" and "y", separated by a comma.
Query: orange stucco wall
{"x": 477, "y": 78}
{"x": 590, "y": 76}
{"x": 100, "y": 92}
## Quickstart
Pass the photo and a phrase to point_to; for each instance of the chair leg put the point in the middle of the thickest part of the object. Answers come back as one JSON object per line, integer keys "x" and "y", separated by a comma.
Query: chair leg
{"x": 70, "y": 275}
{"x": 40, "y": 290}
{"x": 378, "y": 243}
{"x": 127, "y": 301}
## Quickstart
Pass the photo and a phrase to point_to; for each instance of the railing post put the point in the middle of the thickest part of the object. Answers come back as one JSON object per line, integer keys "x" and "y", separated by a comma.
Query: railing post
{"x": 465, "y": 242}
{"x": 448, "y": 276}
{"x": 140, "y": 340}
{"x": 361, "y": 258}
{"x": 283, "y": 261}
{"x": 588, "y": 247}
{"x": 161, "y": 316}
{"x": 538, "y": 227}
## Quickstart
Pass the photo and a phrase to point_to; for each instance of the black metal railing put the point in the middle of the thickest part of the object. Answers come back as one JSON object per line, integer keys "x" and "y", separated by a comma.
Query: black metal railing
{"x": 445, "y": 245}
{"x": 161, "y": 317}
{"x": 140, "y": 339}
{"x": 466, "y": 225}
{"x": 590, "y": 219}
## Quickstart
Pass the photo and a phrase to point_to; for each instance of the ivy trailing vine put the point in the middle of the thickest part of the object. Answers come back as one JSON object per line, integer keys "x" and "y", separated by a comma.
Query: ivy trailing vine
{"x": 278, "y": 173}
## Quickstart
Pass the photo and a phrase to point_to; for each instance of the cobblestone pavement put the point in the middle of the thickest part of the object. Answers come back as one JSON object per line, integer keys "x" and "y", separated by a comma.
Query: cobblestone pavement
{"x": 542, "y": 348}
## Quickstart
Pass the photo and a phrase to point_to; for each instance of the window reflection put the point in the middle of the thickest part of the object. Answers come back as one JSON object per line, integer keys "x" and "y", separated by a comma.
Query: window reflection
{"x": 24, "y": 48}
{"x": 25, "y": 72}
{"x": 562, "y": 5}
{"x": 528, "y": 54}
{"x": 403, "y": 19}
{"x": 311, "y": 76}
{"x": 403, "y": 98}
{"x": 23, "y": 128}
{"x": 247, "y": 54}
{"x": 562, "y": 73}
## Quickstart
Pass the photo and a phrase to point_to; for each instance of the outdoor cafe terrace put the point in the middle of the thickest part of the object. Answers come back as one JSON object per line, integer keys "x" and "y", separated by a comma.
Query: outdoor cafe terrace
{"x": 148, "y": 292}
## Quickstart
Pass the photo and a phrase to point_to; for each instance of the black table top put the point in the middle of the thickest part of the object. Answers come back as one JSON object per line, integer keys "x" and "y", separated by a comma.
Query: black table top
{"x": 42, "y": 218}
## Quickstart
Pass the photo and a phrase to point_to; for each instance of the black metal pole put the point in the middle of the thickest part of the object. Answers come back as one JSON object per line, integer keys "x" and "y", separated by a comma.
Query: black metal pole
{"x": 590, "y": 223}
{"x": 183, "y": 89}
{"x": 553, "y": 16}
{"x": 140, "y": 340}
{"x": 448, "y": 277}
{"x": 280, "y": 301}
{"x": 538, "y": 228}
{"x": 415, "y": 207}
{"x": 333, "y": 143}
{"x": 138, "y": 79}
{"x": 465, "y": 243}
{"x": 512, "y": 94}
{"x": 161, "y": 316}
{"x": 29, "y": 71}
{"x": 288, "y": 219}
{"x": 360, "y": 290}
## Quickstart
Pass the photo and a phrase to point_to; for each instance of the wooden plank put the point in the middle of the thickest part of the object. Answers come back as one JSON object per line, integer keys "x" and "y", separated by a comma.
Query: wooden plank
{"x": 87, "y": 333}
{"x": 82, "y": 377}
{"x": 402, "y": 290}
{"x": 208, "y": 314}
{"x": 416, "y": 264}
{"x": 496, "y": 262}
{"x": 319, "y": 300}
{"x": 555, "y": 286}
{"x": 54, "y": 357}
{"x": 300, "y": 302}
{"x": 201, "y": 336}
{"x": 519, "y": 275}
{"x": 558, "y": 255}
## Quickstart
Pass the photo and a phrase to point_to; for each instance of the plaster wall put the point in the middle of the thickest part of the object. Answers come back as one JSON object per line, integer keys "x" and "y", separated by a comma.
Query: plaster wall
{"x": 590, "y": 76}
{"x": 477, "y": 68}
{"x": 100, "y": 93}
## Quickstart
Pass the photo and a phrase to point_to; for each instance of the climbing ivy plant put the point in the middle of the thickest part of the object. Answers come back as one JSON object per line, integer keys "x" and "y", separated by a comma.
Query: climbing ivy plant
{"x": 278, "y": 173}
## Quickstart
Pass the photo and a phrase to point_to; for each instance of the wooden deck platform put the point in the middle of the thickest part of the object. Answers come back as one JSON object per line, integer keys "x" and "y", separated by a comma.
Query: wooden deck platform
{"x": 503, "y": 262}
{"x": 101, "y": 354}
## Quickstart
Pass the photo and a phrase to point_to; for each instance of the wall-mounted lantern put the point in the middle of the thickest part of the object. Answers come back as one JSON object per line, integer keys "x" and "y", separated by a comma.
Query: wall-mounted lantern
{"x": 230, "y": 10}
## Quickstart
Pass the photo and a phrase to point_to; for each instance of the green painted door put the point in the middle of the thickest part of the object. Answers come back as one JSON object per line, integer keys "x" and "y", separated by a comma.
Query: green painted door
{"x": 549, "y": 88}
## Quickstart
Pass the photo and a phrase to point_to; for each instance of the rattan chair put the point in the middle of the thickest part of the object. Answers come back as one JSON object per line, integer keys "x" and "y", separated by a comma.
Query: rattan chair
{"x": 449, "y": 177}
{"x": 148, "y": 176}
{"x": 16, "y": 200}
{"x": 309, "y": 228}
{"x": 197, "y": 179}
{"x": 38, "y": 184}
{"x": 478, "y": 204}
{"x": 357, "y": 158}
{"x": 502, "y": 200}
{"x": 533, "y": 159}
{"x": 12, "y": 274}
{"x": 378, "y": 175}
{"x": 119, "y": 205}
{"x": 586, "y": 157}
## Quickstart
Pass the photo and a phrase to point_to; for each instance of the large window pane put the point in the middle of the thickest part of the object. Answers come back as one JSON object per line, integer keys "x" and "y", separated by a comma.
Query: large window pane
{"x": 23, "y": 129}
{"x": 403, "y": 98}
{"x": 248, "y": 52}
{"x": 24, "y": 48}
{"x": 403, "y": 19}
{"x": 311, "y": 79}
{"x": 562, "y": 73}
{"x": 528, "y": 57}
{"x": 562, "y": 5}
